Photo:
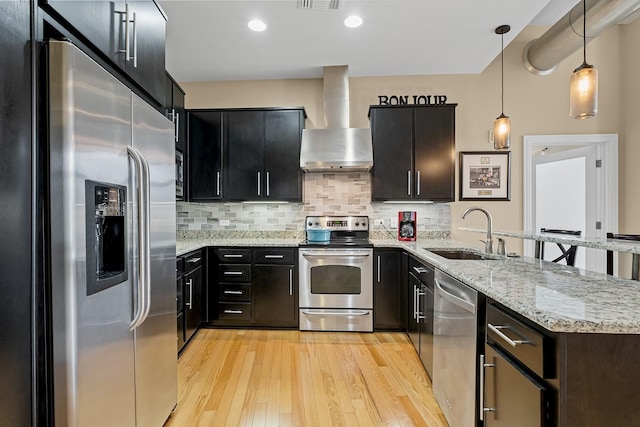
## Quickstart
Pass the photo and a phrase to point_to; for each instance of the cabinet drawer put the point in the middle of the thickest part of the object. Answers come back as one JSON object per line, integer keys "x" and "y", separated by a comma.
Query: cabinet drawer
{"x": 234, "y": 273}
{"x": 274, "y": 256}
{"x": 229, "y": 292}
{"x": 229, "y": 255}
{"x": 237, "y": 311}
{"x": 423, "y": 272}
{"x": 531, "y": 347}
{"x": 193, "y": 261}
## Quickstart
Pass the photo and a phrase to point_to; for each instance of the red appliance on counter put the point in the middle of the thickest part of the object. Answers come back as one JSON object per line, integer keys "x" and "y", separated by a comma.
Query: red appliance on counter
{"x": 407, "y": 228}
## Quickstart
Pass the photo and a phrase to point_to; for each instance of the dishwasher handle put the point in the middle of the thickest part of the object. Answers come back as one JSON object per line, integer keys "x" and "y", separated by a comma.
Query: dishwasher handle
{"x": 440, "y": 289}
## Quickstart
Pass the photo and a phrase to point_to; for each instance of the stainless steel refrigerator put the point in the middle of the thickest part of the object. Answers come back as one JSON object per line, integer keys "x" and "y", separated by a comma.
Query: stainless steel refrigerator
{"x": 112, "y": 183}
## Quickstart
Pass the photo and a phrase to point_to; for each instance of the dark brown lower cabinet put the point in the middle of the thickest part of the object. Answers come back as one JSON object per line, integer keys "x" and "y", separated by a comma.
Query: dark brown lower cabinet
{"x": 275, "y": 297}
{"x": 512, "y": 396}
{"x": 193, "y": 282}
{"x": 254, "y": 287}
{"x": 534, "y": 377}
{"x": 387, "y": 283}
{"x": 190, "y": 295}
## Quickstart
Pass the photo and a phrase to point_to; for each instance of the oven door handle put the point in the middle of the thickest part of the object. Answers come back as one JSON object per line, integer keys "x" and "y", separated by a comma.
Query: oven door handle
{"x": 337, "y": 313}
{"x": 333, "y": 255}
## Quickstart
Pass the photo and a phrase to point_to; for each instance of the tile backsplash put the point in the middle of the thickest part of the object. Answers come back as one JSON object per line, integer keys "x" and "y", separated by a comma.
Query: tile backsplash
{"x": 324, "y": 194}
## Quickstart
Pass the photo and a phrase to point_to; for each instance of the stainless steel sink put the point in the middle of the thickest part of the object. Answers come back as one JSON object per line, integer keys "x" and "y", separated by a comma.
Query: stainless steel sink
{"x": 461, "y": 254}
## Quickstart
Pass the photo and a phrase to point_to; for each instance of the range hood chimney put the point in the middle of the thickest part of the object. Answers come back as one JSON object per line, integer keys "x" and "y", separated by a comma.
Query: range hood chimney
{"x": 337, "y": 148}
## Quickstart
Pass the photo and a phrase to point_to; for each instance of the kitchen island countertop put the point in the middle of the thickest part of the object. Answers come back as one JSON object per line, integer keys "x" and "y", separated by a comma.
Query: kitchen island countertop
{"x": 557, "y": 297}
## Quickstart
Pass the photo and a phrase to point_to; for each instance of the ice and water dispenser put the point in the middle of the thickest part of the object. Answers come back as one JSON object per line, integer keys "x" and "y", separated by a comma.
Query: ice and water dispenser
{"x": 106, "y": 235}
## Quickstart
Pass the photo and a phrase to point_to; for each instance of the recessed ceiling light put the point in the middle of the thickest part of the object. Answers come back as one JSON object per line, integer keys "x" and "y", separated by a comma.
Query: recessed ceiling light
{"x": 257, "y": 25}
{"x": 354, "y": 21}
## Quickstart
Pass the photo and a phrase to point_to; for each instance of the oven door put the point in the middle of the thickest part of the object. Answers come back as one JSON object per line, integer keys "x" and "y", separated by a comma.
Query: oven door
{"x": 336, "y": 278}
{"x": 336, "y": 290}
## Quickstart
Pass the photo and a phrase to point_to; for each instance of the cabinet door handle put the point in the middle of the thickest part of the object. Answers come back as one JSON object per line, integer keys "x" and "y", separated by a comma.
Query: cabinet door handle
{"x": 218, "y": 183}
{"x": 258, "y": 183}
{"x": 420, "y": 270}
{"x": 232, "y": 256}
{"x": 481, "y": 387}
{"x": 233, "y": 292}
{"x": 415, "y": 303}
{"x": 177, "y": 125}
{"x": 408, "y": 183}
{"x": 498, "y": 331}
{"x": 378, "y": 268}
{"x": 268, "y": 192}
{"x": 274, "y": 256}
{"x": 417, "y": 183}
{"x": 190, "y": 284}
{"x": 135, "y": 41}
{"x": 291, "y": 281}
{"x": 233, "y": 273}
{"x": 127, "y": 54}
{"x": 233, "y": 311}
{"x": 419, "y": 314}
{"x": 194, "y": 260}
{"x": 482, "y": 375}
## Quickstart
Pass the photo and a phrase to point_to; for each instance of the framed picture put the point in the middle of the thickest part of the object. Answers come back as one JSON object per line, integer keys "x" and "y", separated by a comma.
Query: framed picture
{"x": 485, "y": 175}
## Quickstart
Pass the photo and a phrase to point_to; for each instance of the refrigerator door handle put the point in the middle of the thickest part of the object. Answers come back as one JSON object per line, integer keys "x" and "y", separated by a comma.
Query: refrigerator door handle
{"x": 143, "y": 283}
{"x": 146, "y": 255}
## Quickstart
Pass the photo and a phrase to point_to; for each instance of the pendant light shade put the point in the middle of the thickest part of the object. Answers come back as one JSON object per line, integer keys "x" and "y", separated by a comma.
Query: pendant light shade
{"x": 502, "y": 132}
{"x": 502, "y": 124}
{"x": 583, "y": 90}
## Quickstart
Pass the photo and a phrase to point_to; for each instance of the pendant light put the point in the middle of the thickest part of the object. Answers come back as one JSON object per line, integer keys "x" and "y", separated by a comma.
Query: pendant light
{"x": 502, "y": 124}
{"x": 583, "y": 100}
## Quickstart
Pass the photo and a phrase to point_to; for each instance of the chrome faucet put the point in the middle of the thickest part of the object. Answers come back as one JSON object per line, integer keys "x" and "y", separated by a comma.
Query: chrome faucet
{"x": 488, "y": 244}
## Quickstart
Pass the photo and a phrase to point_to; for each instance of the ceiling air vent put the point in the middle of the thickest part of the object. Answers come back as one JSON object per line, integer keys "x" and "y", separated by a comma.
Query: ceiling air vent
{"x": 319, "y": 4}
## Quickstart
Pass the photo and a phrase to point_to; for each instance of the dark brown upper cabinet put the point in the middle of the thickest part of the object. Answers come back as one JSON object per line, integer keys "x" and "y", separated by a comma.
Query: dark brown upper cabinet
{"x": 130, "y": 34}
{"x": 413, "y": 153}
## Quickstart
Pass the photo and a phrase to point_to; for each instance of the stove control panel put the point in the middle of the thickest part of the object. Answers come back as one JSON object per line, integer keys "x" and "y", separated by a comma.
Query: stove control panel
{"x": 338, "y": 223}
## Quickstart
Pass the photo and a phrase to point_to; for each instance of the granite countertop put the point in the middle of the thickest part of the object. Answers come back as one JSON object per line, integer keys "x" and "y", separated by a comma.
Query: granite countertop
{"x": 557, "y": 297}
{"x": 588, "y": 242}
{"x": 188, "y": 245}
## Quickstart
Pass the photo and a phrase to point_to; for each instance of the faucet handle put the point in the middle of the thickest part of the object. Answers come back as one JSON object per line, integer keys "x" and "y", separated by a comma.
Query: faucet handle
{"x": 502, "y": 247}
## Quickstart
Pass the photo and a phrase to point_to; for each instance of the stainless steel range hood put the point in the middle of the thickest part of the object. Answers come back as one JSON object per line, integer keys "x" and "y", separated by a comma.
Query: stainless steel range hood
{"x": 337, "y": 148}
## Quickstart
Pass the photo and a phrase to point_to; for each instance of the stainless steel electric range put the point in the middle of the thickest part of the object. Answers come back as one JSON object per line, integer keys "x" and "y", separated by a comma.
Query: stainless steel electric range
{"x": 336, "y": 276}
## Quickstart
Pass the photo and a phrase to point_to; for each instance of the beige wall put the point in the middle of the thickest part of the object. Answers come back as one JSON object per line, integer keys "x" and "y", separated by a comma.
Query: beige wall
{"x": 536, "y": 105}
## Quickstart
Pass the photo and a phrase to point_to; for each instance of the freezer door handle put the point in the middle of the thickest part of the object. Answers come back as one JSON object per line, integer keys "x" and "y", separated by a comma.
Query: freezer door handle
{"x": 143, "y": 284}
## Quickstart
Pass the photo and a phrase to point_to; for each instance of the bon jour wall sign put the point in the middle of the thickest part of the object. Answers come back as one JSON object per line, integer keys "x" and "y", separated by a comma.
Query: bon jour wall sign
{"x": 412, "y": 99}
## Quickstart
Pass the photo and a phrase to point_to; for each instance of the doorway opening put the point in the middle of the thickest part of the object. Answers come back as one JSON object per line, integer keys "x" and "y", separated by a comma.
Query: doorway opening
{"x": 571, "y": 182}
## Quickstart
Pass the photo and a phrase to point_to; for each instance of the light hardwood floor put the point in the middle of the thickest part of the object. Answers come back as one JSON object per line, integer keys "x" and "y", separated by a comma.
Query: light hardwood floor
{"x": 293, "y": 378}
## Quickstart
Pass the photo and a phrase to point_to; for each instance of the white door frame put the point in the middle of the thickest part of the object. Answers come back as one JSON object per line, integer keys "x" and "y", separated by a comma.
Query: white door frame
{"x": 607, "y": 182}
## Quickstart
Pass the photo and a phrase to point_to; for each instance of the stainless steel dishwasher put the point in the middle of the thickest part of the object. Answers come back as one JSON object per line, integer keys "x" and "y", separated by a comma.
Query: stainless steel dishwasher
{"x": 455, "y": 349}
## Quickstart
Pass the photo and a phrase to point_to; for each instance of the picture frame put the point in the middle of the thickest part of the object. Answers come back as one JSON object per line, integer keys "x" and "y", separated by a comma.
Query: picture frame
{"x": 485, "y": 175}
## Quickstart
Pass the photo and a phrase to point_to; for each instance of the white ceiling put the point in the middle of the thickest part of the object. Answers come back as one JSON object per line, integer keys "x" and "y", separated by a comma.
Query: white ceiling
{"x": 209, "y": 40}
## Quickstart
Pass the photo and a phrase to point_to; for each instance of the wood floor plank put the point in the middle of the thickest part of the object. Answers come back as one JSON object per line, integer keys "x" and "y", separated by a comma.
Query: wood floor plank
{"x": 293, "y": 378}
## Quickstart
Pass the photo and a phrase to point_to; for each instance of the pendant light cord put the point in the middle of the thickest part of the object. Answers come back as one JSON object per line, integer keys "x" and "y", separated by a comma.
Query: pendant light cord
{"x": 584, "y": 31}
{"x": 502, "y": 73}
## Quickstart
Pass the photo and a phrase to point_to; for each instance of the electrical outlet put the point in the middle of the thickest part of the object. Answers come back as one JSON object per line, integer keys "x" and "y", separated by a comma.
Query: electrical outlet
{"x": 490, "y": 139}
{"x": 224, "y": 222}
{"x": 394, "y": 222}
{"x": 378, "y": 221}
